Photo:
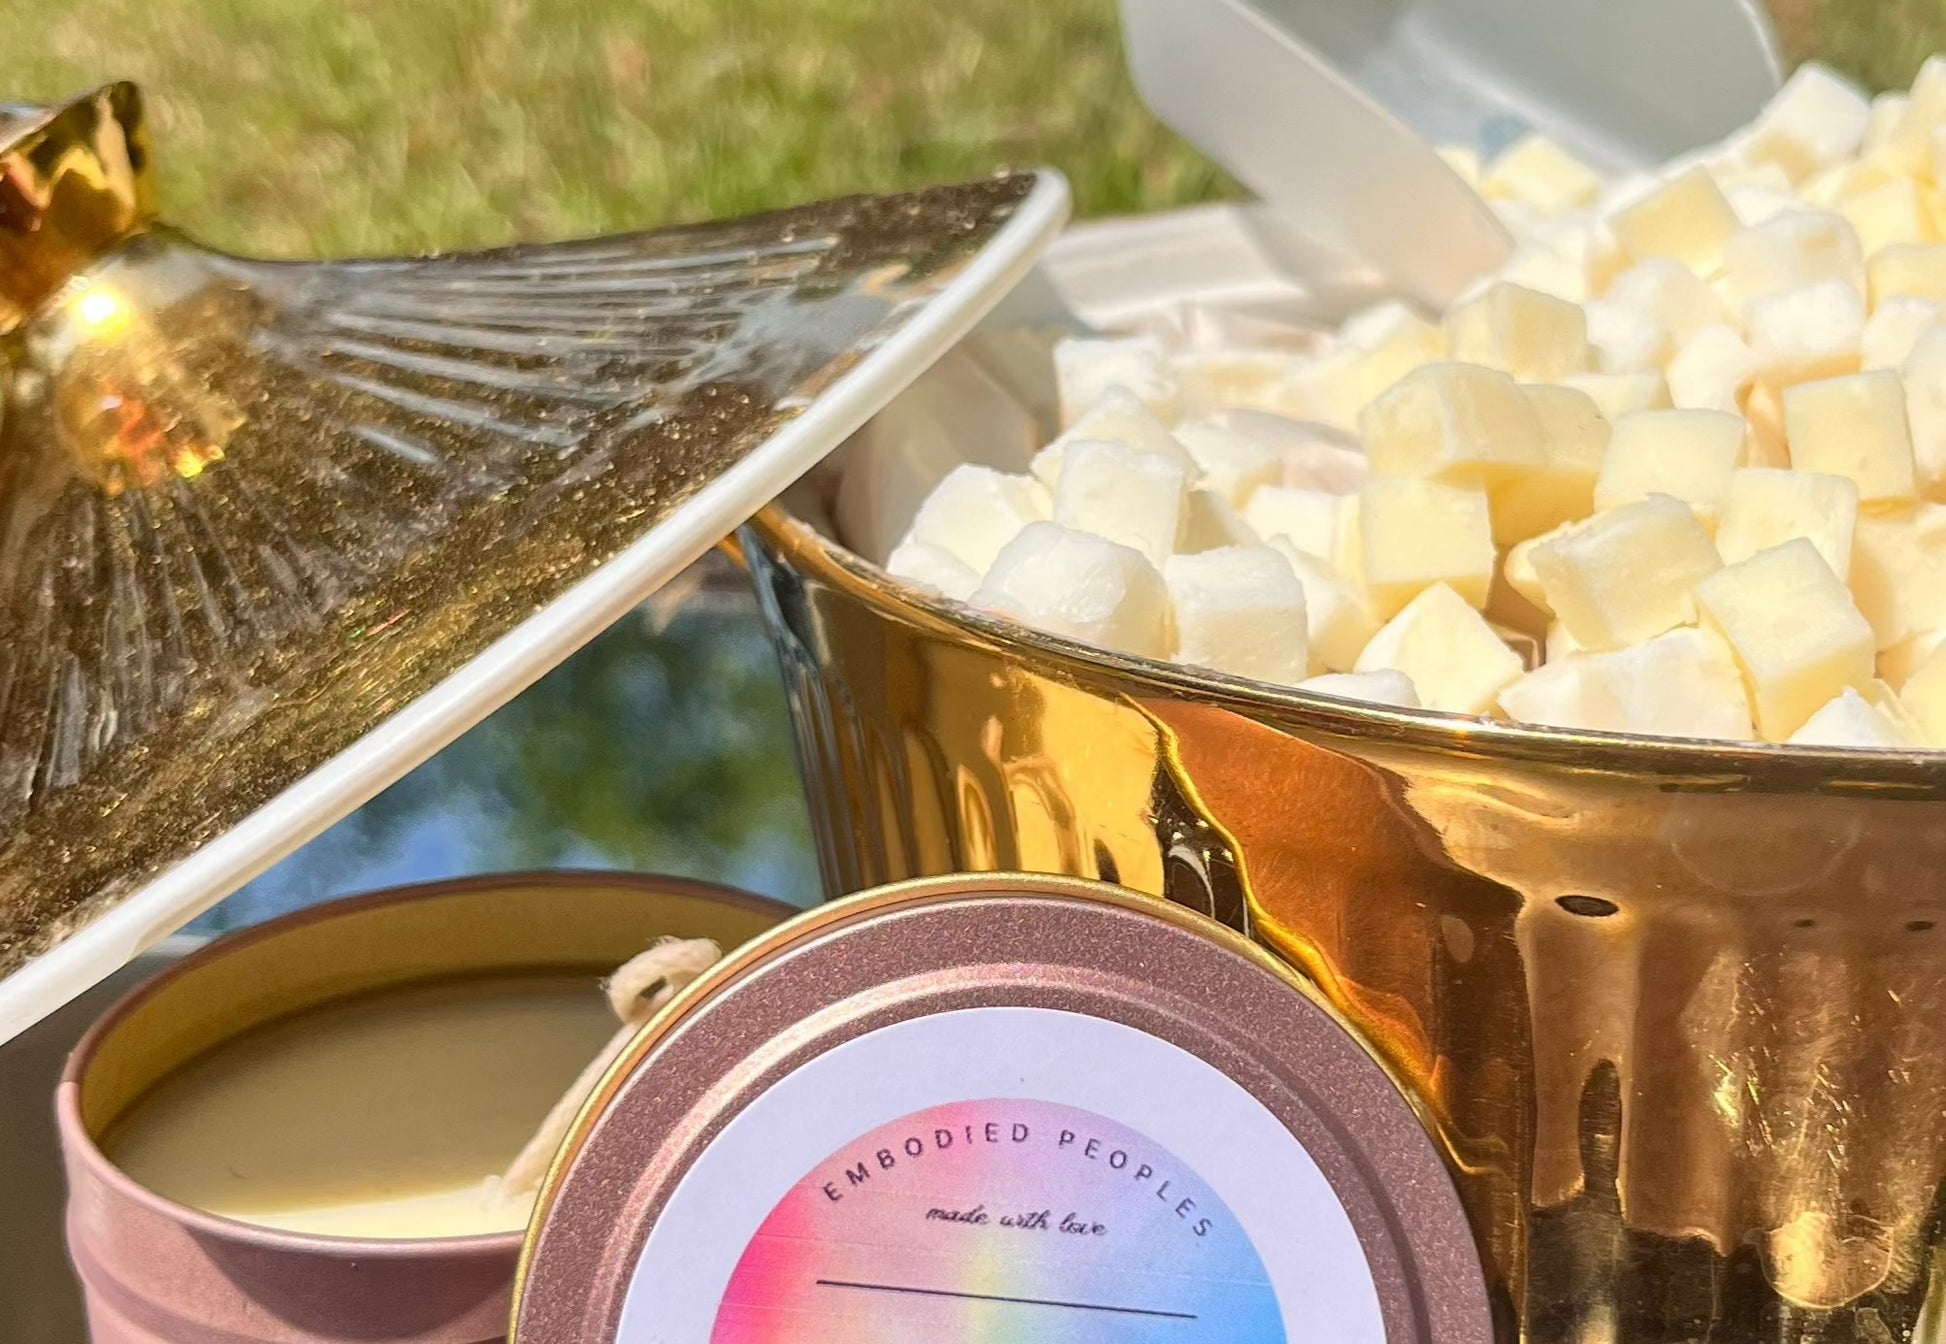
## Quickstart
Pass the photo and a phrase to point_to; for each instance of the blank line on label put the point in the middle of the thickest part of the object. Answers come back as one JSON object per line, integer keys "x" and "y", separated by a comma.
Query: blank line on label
{"x": 1018, "y": 1301}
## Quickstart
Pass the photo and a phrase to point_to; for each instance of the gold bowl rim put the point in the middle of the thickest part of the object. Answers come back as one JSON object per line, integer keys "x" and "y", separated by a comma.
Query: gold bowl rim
{"x": 1681, "y": 764}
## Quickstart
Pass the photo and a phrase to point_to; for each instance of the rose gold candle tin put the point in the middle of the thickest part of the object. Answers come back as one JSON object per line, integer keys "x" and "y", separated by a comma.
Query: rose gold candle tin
{"x": 1000, "y": 1108}
{"x": 154, "y": 1270}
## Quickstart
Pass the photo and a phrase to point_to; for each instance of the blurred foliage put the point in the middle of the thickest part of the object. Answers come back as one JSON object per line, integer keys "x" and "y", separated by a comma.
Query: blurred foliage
{"x": 307, "y": 127}
{"x": 661, "y": 751}
{"x": 1880, "y": 42}
{"x": 348, "y": 126}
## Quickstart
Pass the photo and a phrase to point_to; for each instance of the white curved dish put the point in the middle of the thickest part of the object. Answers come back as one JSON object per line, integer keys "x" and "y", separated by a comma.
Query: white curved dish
{"x": 304, "y": 809}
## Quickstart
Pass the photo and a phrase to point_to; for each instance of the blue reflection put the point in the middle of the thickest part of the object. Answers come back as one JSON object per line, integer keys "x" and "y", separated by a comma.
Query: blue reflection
{"x": 659, "y": 750}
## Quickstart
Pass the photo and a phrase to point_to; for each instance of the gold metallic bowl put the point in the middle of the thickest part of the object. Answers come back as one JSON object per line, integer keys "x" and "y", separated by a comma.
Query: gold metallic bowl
{"x": 1677, "y": 1010}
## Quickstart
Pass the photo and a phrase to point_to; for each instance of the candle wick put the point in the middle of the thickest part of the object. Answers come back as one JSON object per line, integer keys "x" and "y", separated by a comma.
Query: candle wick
{"x": 638, "y": 988}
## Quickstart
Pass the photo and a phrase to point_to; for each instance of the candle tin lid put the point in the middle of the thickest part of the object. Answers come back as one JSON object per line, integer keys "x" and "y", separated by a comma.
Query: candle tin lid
{"x": 999, "y": 1108}
{"x": 272, "y": 533}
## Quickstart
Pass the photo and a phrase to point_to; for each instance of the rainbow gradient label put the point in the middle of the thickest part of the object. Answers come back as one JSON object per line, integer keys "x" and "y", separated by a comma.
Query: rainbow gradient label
{"x": 1003, "y": 1174}
{"x": 1001, "y": 1220}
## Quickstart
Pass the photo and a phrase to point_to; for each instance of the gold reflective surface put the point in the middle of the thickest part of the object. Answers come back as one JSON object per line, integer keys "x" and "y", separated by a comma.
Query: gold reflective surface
{"x": 1677, "y": 1011}
{"x": 73, "y": 182}
{"x": 248, "y": 510}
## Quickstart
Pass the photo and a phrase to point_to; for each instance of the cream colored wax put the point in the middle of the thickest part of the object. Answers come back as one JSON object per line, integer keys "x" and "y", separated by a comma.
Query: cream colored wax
{"x": 383, "y": 1116}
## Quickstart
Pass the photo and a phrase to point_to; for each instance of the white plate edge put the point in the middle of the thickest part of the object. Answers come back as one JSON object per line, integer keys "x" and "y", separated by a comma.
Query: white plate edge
{"x": 527, "y": 652}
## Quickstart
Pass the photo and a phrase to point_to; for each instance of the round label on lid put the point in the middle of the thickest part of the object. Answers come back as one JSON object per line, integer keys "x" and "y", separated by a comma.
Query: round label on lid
{"x": 1004, "y": 1173}
{"x": 995, "y": 1109}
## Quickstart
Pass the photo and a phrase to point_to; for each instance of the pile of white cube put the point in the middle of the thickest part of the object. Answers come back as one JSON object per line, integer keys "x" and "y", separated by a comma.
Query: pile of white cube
{"x": 1680, "y": 470}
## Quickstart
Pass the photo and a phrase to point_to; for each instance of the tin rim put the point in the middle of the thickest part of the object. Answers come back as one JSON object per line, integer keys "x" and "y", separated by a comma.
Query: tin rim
{"x": 1419, "y": 1225}
{"x": 82, "y": 1141}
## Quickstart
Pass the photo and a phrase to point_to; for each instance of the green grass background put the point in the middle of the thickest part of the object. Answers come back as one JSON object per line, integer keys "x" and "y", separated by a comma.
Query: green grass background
{"x": 298, "y": 127}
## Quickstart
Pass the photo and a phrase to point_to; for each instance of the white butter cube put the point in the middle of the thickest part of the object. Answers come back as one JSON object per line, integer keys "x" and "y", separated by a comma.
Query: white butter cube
{"x": 1898, "y": 572}
{"x": 1897, "y": 664}
{"x": 1533, "y": 336}
{"x": 1618, "y": 194}
{"x": 1575, "y": 235}
{"x": 1763, "y": 407}
{"x": 1910, "y": 141}
{"x": 1672, "y": 292}
{"x": 1607, "y": 260}
{"x": 1084, "y": 369}
{"x": 1848, "y": 719}
{"x": 933, "y": 567}
{"x": 1350, "y": 555}
{"x": 1379, "y": 324}
{"x": 1616, "y": 394}
{"x": 1518, "y": 569}
{"x": 1123, "y": 494}
{"x": 977, "y": 510}
{"x": 1802, "y": 335}
{"x": 1626, "y": 575}
{"x": 1685, "y": 683}
{"x": 1924, "y": 696}
{"x": 1626, "y": 339}
{"x": 1688, "y": 455}
{"x": 1575, "y": 692}
{"x": 1885, "y": 698}
{"x": 1856, "y": 427}
{"x": 1815, "y": 120}
{"x": 1315, "y": 456}
{"x": 1338, "y": 619}
{"x": 1210, "y": 380}
{"x": 1458, "y": 423}
{"x": 1731, "y": 174}
{"x": 1574, "y": 440}
{"x": 1686, "y": 219}
{"x": 1455, "y": 660}
{"x": 1761, "y": 204}
{"x": 1211, "y": 522}
{"x": 1391, "y": 342}
{"x": 1763, "y": 507}
{"x": 1538, "y": 171}
{"x": 1797, "y": 636}
{"x": 1387, "y": 686}
{"x": 1915, "y": 269}
{"x": 1834, "y": 186}
{"x": 1893, "y": 331}
{"x": 1888, "y": 215}
{"x": 1887, "y": 110}
{"x": 1923, "y": 376}
{"x": 1239, "y": 610}
{"x": 1311, "y": 520}
{"x": 1520, "y": 218}
{"x": 1681, "y": 684}
{"x": 1710, "y": 372}
{"x": 1560, "y": 644}
{"x": 1538, "y": 267}
{"x": 1792, "y": 251}
{"x": 956, "y": 413}
{"x": 1080, "y": 586}
{"x": 1325, "y": 466}
{"x": 1118, "y": 417}
{"x": 1414, "y": 534}
{"x": 1230, "y": 463}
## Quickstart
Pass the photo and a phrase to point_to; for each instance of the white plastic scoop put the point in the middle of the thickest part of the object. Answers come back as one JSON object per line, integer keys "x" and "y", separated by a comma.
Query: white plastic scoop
{"x": 1330, "y": 109}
